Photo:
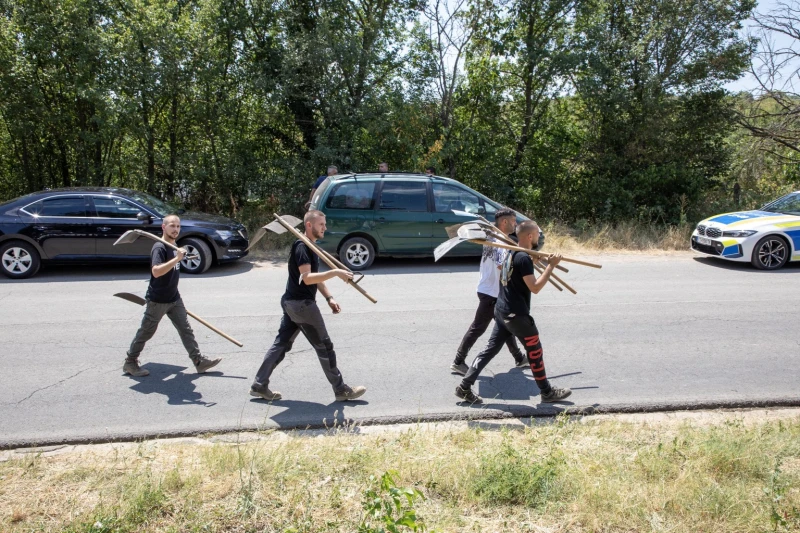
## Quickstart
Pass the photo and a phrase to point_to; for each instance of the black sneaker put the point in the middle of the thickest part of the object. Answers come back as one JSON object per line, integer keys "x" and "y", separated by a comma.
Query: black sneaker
{"x": 521, "y": 362}
{"x": 266, "y": 394}
{"x": 350, "y": 393}
{"x": 467, "y": 395}
{"x": 132, "y": 367}
{"x": 459, "y": 368}
{"x": 555, "y": 395}
{"x": 204, "y": 364}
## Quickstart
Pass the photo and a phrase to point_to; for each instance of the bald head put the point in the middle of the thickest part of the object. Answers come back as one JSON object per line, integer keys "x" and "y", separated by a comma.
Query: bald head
{"x": 528, "y": 233}
{"x": 312, "y": 215}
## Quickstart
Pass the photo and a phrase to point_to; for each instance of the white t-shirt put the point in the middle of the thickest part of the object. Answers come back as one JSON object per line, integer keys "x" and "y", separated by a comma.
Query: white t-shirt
{"x": 491, "y": 259}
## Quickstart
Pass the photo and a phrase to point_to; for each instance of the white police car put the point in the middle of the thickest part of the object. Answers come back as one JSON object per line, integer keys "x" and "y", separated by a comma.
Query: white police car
{"x": 768, "y": 237}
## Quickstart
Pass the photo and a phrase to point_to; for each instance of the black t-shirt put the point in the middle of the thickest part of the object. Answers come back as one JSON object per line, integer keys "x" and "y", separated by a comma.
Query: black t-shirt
{"x": 515, "y": 296}
{"x": 163, "y": 290}
{"x": 299, "y": 256}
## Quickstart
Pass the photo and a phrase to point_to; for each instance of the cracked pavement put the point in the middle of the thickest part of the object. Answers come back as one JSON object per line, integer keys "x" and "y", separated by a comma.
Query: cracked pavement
{"x": 643, "y": 333}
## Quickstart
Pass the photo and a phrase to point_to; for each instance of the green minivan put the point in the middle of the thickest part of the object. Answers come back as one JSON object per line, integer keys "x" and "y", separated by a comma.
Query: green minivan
{"x": 395, "y": 214}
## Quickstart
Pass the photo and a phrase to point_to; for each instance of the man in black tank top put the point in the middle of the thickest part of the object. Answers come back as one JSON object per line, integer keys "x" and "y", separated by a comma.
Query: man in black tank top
{"x": 512, "y": 317}
{"x": 163, "y": 298}
{"x": 301, "y": 314}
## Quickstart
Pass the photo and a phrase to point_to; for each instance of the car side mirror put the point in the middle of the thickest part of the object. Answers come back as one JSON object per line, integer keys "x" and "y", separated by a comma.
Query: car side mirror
{"x": 144, "y": 217}
{"x": 481, "y": 210}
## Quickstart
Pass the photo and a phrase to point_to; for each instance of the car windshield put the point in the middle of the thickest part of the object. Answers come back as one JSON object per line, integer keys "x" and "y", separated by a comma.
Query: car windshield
{"x": 161, "y": 207}
{"x": 788, "y": 205}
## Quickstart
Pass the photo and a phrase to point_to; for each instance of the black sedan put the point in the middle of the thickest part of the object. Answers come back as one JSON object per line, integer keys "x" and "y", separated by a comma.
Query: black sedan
{"x": 80, "y": 225}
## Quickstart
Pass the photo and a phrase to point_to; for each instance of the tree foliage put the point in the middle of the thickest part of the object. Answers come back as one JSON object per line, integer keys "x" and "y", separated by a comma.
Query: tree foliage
{"x": 573, "y": 109}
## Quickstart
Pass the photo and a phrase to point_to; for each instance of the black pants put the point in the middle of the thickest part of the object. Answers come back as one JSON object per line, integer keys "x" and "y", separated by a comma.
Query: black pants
{"x": 523, "y": 328}
{"x": 483, "y": 317}
{"x": 301, "y": 315}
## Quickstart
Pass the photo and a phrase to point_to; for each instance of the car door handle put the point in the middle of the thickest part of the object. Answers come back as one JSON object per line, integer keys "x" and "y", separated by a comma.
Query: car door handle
{"x": 40, "y": 228}
{"x": 103, "y": 228}
{"x": 381, "y": 219}
{"x": 440, "y": 221}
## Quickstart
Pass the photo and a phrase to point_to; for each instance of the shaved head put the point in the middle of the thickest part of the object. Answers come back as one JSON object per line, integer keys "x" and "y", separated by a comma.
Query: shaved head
{"x": 313, "y": 215}
{"x": 527, "y": 227}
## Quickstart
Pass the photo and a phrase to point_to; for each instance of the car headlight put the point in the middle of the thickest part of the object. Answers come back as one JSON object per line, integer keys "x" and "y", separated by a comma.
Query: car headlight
{"x": 739, "y": 233}
{"x": 225, "y": 234}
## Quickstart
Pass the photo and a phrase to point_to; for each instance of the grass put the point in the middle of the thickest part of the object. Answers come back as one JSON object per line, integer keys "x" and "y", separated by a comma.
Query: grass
{"x": 624, "y": 237}
{"x": 569, "y": 475}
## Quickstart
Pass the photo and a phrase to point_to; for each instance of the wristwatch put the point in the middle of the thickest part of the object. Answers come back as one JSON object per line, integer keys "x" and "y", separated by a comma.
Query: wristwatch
{"x": 328, "y": 298}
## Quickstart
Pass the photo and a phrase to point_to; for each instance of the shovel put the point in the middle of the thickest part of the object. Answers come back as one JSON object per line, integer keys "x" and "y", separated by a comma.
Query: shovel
{"x": 286, "y": 223}
{"x": 133, "y": 234}
{"x": 141, "y": 301}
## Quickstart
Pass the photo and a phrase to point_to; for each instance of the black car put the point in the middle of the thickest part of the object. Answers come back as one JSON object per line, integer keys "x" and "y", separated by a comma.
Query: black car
{"x": 81, "y": 225}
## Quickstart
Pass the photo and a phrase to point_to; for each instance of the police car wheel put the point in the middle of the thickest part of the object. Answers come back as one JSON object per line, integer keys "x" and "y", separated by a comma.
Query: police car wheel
{"x": 770, "y": 253}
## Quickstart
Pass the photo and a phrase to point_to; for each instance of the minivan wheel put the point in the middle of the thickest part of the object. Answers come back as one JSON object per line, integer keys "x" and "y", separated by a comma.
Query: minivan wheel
{"x": 195, "y": 246}
{"x": 19, "y": 260}
{"x": 357, "y": 253}
{"x": 770, "y": 253}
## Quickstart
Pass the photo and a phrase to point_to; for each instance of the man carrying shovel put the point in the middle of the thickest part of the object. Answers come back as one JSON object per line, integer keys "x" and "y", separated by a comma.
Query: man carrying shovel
{"x": 491, "y": 262}
{"x": 163, "y": 298}
{"x": 512, "y": 315}
{"x": 301, "y": 314}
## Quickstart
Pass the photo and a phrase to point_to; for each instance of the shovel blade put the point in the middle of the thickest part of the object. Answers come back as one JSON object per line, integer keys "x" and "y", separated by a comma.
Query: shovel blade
{"x": 471, "y": 232}
{"x": 452, "y": 231}
{"x": 276, "y": 227}
{"x": 127, "y": 237}
{"x": 257, "y": 237}
{"x": 445, "y": 247}
{"x": 291, "y": 220}
{"x": 138, "y": 300}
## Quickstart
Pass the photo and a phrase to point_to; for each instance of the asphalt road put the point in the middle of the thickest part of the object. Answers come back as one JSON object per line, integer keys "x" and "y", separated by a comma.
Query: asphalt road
{"x": 643, "y": 333}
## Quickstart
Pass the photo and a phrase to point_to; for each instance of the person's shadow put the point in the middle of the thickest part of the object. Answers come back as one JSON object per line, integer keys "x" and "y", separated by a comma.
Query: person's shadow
{"x": 299, "y": 414}
{"x": 180, "y": 389}
{"x": 518, "y": 384}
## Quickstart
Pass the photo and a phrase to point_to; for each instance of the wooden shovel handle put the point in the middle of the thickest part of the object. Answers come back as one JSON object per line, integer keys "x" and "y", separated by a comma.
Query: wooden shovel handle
{"x": 539, "y": 269}
{"x": 561, "y": 281}
{"x": 215, "y": 330}
{"x": 532, "y": 253}
{"x": 322, "y": 255}
{"x": 176, "y": 248}
{"x": 506, "y": 239}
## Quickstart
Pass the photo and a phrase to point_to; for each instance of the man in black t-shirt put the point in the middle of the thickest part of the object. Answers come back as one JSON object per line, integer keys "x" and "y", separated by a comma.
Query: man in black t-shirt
{"x": 163, "y": 298}
{"x": 512, "y": 317}
{"x": 301, "y": 314}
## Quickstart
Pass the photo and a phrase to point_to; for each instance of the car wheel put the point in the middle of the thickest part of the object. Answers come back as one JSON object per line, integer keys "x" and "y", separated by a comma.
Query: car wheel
{"x": 198, "y": 247}
{"x": 770, "y": 253}
{"x": 19, "y": 260}
{"x": 357, "y": 253}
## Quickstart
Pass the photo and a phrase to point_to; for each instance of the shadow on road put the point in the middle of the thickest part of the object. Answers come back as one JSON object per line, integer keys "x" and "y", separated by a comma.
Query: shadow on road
{"x": 747, "y": 268}
{"x": 111, "y": 272}
{"x": 298, "y": 414}
{"x": 424, "y": 265}
{"x": 180, "y": 389}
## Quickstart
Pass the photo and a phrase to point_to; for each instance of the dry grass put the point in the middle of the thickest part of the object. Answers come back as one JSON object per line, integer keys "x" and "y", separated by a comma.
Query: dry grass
{"x": 625, "y": 237}
{"x": 596, "y": 475}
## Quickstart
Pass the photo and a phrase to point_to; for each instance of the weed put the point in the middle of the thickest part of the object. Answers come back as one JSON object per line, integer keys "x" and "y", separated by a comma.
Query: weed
{"x": 389, "y": 508}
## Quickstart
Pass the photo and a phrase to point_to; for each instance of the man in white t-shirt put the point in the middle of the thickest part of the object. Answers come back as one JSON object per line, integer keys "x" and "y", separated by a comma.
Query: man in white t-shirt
{"x": 488, "y": 289}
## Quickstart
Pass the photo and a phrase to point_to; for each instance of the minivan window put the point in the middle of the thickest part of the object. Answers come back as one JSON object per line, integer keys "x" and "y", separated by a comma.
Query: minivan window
{"x": 58, "y": 207}
{"x": 449, "y": 198}
{"x": 352, "y": 195}
{"x": 404, "y": 195}
{"x": 114, "y": 208}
